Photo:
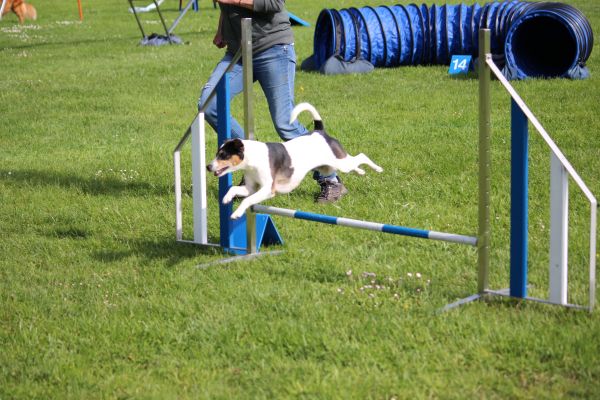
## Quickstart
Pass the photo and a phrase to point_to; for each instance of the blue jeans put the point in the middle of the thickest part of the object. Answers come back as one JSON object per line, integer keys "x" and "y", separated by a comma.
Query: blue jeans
{"x": 275, "y": 70}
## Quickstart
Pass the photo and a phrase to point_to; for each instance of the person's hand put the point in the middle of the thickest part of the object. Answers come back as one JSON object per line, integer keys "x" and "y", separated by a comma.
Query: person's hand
{"x": 218, "y": 40}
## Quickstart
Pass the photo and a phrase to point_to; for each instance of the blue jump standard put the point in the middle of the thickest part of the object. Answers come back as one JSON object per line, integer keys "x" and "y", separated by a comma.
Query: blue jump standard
{"x": 519, "y": 201}
{"x": 372, "y": 226}
{"x": 232, "y": 235}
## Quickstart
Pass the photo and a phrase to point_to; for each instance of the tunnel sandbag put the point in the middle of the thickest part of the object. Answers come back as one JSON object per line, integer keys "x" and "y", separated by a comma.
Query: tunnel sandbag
{"x": 335, "y": 65}
{"x": 538, "y": 39}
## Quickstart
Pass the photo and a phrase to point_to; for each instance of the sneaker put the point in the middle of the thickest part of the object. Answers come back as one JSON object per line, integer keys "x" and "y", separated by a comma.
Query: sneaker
{"x": 331, "y": 191}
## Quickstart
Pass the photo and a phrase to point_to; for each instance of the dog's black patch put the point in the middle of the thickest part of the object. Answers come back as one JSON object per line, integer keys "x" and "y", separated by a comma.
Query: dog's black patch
{"x": 233, "y": 147}
{"x": 279, "y": 161}
{"x": 318, "y": 125}
{"x": 334, "y": 145}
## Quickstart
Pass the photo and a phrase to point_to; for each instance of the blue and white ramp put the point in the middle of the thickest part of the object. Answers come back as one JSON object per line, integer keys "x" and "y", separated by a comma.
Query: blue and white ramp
{"x": 371, "y": 226}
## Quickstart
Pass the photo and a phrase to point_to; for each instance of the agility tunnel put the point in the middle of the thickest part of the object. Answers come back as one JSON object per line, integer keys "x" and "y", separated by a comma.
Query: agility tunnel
{"x": 533, "y": 39}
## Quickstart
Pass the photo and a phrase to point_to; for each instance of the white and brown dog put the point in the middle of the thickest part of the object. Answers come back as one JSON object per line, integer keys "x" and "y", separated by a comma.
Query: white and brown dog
{"x": 271, "y": 168}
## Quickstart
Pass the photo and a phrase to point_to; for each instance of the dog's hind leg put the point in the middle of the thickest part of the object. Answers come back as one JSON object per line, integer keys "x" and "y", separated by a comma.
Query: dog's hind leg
{"x": 363, "y": 159}
{"x": 353, "y": 163}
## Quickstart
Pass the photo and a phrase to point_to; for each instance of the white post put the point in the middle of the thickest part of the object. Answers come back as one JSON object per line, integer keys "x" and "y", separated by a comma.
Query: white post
{"x": 199, "y": 180}
{"x": 178, "y": 207}
{"x": 593, "y": 222}
{"x": 559, "y": 227}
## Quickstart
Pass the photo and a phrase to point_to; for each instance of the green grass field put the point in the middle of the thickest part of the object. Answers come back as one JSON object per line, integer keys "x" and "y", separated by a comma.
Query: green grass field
{"x": 98, "y": 300}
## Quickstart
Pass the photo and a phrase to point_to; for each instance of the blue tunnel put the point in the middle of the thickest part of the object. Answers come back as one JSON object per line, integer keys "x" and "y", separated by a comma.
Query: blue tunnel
{"x": 532, "y": 39}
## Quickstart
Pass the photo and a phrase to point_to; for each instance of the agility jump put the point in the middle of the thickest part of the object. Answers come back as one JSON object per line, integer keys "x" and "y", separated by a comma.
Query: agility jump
{"x": 246, "y": 235}
{"x": 370, "y": 226}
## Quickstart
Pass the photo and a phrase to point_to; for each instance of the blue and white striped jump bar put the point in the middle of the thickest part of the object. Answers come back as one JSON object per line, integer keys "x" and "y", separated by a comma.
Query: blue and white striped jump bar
{"x": 372, "y": 226}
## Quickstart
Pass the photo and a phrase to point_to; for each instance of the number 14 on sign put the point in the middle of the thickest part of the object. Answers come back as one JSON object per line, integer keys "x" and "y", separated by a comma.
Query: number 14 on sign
{"x": 459, "y": 65}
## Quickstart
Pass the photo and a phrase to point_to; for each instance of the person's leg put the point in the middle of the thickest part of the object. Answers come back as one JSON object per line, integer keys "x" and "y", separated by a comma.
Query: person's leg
{"x": 236, "y": 85}
{"x": 275, "y": 70}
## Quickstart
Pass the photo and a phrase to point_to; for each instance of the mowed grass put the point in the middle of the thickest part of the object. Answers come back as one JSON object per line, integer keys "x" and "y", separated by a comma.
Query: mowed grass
{"x": 98, "y": 300}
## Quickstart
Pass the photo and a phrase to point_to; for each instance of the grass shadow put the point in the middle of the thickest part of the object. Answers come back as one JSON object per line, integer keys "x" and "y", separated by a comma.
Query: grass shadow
{"x": 78, "y": 42}
{"x": 106, "y": 185}
{"x": 166, "y": 250}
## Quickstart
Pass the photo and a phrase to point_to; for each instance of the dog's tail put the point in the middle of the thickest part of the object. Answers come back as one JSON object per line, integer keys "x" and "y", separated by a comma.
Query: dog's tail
{"x": 315, "y": 114}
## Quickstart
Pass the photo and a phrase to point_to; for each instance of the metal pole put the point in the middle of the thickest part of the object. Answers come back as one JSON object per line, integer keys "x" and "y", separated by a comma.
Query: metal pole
{"x": 162, "y": 21}
{"x": 367, "y": 225}
{"x": 210, "y": 97}
{"x": 248, "y": 119}
{"x": 180, "y": 16}
{"x": 137, "y": 19}
{"x": 483, "y": 239}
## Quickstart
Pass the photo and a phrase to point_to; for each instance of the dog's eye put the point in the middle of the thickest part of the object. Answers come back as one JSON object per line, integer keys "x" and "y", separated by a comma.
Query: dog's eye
{"x": 223, "y": 155}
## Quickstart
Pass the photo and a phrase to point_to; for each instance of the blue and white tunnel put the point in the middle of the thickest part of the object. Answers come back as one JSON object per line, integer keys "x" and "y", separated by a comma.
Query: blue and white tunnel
{"x": 537, "y": 39}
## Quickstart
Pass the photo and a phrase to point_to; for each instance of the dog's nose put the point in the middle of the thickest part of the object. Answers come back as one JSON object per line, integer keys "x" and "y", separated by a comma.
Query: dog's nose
{"x": 209, "y": 168}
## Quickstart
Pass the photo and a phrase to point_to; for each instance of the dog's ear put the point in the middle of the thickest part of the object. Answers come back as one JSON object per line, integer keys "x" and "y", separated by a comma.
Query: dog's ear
{"x": 233, "y": 147}
{"x": 237, "y": 144}
{"x": 237, "y": 147}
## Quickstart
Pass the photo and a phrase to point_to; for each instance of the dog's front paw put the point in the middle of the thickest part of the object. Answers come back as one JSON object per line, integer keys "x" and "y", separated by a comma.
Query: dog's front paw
{"x": 378, "y": 169}
{"x": 237, "y": 214}
{"x": 227, "y": 198}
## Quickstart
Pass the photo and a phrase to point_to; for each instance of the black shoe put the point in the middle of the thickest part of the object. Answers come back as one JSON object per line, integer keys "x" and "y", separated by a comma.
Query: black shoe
{"x": 331, "y": 191}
